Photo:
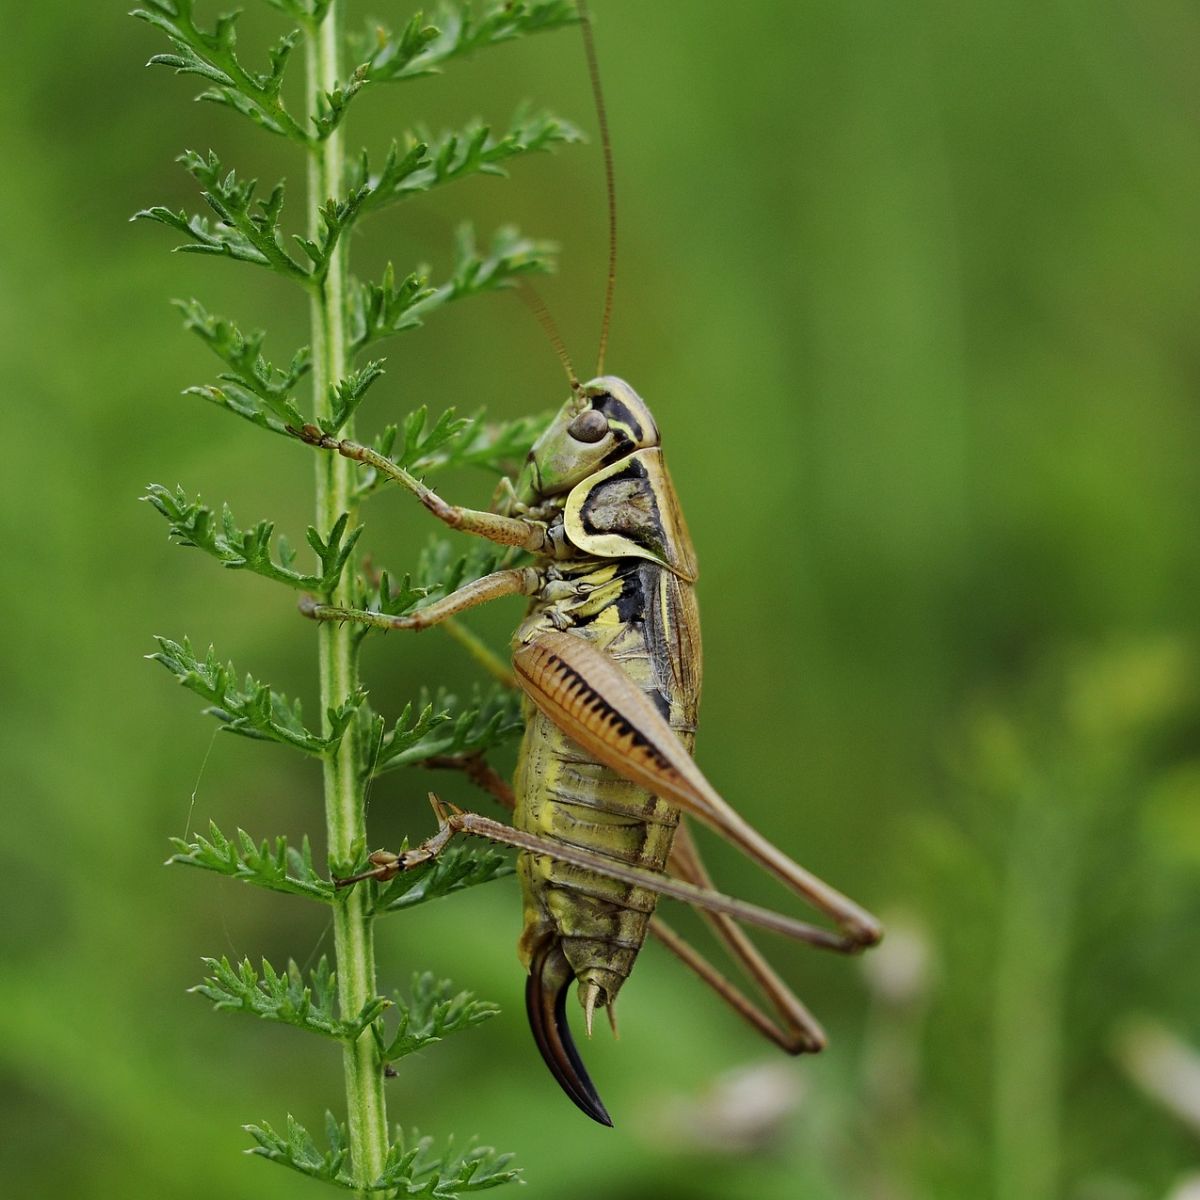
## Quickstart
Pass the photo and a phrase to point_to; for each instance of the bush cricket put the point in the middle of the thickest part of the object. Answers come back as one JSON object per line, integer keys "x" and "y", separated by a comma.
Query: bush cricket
{"x": 608, "y": 659}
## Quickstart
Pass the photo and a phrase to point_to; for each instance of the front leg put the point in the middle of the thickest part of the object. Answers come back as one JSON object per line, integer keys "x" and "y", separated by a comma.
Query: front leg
{"x": 505, "y": 531}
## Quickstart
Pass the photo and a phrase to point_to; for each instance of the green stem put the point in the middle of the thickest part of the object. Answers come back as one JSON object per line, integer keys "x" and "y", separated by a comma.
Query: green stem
{"x": 344, "y": 812}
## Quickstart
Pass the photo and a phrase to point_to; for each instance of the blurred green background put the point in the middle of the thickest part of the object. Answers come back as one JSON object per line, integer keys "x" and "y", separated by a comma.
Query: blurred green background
{"x": 914, "y": 290}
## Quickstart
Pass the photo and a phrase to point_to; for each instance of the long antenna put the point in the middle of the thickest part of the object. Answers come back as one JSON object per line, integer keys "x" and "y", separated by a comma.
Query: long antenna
{"x": 589, "y": 46}
{"x": 537, "y": 306}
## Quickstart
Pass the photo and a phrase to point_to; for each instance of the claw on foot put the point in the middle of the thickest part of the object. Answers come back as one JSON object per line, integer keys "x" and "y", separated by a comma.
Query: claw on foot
{"x": 384, "y": 866}
{"x": 314, "y": 435}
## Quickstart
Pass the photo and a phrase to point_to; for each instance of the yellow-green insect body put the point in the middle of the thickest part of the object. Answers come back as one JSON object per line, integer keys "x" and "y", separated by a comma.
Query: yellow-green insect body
{"x": 608, "y": 659}
{"x": 625, "y": 586}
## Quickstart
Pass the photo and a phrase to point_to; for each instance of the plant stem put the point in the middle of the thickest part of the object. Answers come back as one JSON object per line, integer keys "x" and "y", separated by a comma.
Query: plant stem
{"x": 344, "y": 814}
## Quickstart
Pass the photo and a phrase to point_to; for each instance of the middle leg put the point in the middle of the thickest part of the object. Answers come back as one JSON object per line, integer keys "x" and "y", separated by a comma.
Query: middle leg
{"x": 517, "y": 581}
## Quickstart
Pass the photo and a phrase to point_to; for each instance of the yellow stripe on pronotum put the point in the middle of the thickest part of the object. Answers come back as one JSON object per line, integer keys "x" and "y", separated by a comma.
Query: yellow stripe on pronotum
{"x": 608, "y": 657}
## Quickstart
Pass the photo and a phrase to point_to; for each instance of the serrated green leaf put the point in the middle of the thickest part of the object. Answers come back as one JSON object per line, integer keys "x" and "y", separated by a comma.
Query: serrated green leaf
{"x": 381, "y": 310}
{"x": 410, "y": 729}
{"x": 386, "y": 55}
{"x": 275, "y": 866}
{"x": 253, "y": 710}
{"x": 255, "y": 388}
{"x": 246, "y": 229}
{"x": 333, "y": 104}
{"x": 212, "y": 55}
{"x": 366, "y": 192}
{"x": 442, "y": 567}
{"x": 296, "y": 1148}
{"x": 378, "y": 310}
{"x": 496, "y": 446}
{"x": 489, "y": 718}
{"x": 421, "y": 49}
{"x": 347, "y": 395}
{"x": 429, "y": 162}
{"x": 288, "y": 997}
{"x": 451, "y": 441}
{"x": 193, "y": 524}
{"x": 432, "y": 1011}
{"x": 413, "y": 1166}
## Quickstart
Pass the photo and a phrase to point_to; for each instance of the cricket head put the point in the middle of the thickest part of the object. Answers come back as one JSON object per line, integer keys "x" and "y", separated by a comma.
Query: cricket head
{"x": 602, "y": 423}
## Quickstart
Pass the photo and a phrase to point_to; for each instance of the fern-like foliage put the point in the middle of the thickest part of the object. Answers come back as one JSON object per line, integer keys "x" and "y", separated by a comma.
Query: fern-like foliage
{"x": 212, "y": 55}
{"x": 287, "y": 996}
{"x": 413, "y": 1168}
{"x": 421, "y": 446}
{"x": 484, "y": 721}
{"x": 246, "y": 229}
{"x": 409, "y": 168}
{"x": 425, "y": 162}
{"x": 383, "y": 309}
{"x": 411, "y": 727}
{"x": 441, "y": 568}
{"x": 192, "y": 524}
{"x": 422, "y": 48}
{"x": 416, "y": 1168}
{"x": 253, "y": 710}
{"x": 327, "y": 384}
{"x": 253, "y": 388}
{"x": 430, "y": 1012}
{"x": 496, "y": 447}
{"x": 256, "y": 390}
{"x": 276, "y": 866}
{"x": 298, "y": 1149}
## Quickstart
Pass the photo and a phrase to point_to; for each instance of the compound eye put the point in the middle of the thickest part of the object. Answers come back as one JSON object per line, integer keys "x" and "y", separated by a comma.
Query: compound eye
{"x": 590, "y": 426}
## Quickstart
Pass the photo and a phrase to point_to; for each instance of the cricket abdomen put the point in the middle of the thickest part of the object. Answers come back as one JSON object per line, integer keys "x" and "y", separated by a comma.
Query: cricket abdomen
{"x": 622, "y": 607}
{"x": 582, "y": 925}
{"x": 600, "y": 922}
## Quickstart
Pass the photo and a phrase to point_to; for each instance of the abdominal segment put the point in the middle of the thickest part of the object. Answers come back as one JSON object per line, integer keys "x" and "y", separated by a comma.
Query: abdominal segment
{"x": 600, "y": 922}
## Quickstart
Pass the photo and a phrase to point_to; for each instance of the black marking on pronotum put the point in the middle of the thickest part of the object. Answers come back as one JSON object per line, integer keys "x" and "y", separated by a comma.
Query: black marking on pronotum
{"x": 578, "y": 686}
{"x": 630, "y": 511}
